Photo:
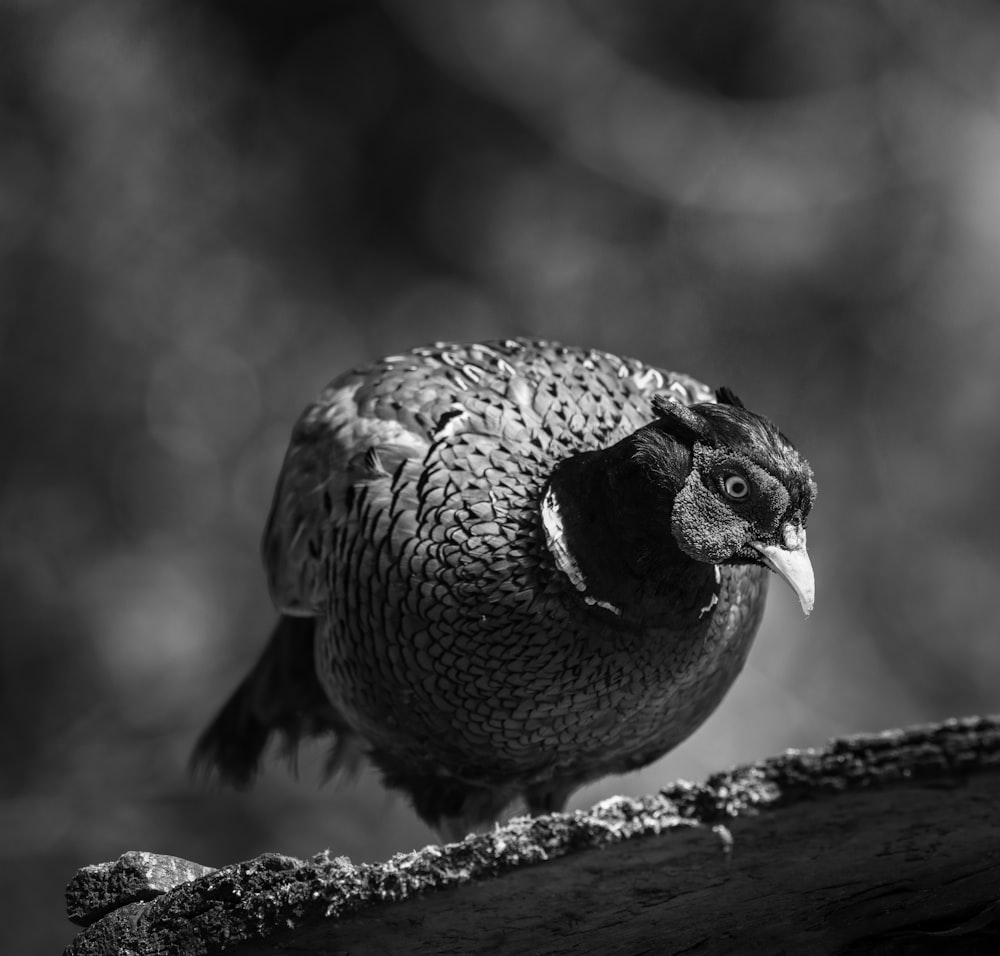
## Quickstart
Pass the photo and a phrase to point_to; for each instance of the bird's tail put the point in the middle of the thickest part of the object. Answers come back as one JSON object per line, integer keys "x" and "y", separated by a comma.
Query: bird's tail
{"x": 280, "y": 696}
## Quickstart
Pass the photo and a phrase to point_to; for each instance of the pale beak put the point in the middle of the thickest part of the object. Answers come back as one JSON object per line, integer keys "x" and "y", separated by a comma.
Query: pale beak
{"x": 792, "y": 563}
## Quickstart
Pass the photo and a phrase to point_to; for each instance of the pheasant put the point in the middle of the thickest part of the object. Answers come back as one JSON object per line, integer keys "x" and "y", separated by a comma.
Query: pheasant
{"x": 506, "y": 569}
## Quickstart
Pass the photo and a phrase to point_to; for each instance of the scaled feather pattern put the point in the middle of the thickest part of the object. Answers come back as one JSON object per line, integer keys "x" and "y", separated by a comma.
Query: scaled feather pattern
{"x": 506, "y": 569}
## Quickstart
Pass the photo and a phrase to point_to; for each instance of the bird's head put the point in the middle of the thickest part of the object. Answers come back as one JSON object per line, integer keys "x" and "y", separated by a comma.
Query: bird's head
{"x": 747, "y": 496}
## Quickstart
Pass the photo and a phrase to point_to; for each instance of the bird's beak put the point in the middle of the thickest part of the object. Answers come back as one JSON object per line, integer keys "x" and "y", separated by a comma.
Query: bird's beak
{"x": 791, "y": 561}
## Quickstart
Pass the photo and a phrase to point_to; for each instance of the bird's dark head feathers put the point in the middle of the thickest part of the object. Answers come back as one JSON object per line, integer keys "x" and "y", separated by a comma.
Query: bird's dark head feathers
{"x": 729, "y": 424}
{"x": 740, "y": 491}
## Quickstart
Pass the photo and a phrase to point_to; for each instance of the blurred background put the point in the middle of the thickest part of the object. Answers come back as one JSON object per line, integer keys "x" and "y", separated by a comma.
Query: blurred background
{"x": 209, "y": 209}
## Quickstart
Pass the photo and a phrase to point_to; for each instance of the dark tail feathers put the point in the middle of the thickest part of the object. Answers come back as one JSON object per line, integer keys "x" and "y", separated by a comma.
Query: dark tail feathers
{"x": 281, "y": 695}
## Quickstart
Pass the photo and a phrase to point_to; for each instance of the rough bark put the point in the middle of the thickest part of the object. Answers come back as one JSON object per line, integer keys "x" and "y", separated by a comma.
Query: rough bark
{"x": 874, "y": 844}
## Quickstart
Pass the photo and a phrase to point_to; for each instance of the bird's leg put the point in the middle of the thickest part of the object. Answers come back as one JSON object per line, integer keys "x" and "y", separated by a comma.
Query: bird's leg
{"x": 548, "y": 797}
{"x": 456, "y": 829}
{"x": 539, "y": 800}
{"x": 453, "y": 807}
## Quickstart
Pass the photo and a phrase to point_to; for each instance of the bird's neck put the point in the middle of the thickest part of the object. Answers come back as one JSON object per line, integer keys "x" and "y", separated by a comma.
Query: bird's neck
{"x": 607, "y": 524}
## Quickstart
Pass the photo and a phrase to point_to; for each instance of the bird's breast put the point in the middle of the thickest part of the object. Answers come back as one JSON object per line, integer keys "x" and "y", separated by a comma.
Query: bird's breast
{"x": 454, "y": 640}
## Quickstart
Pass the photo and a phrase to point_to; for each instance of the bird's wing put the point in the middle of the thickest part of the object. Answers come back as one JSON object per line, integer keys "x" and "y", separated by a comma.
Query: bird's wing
{"x": 336, "y": 443}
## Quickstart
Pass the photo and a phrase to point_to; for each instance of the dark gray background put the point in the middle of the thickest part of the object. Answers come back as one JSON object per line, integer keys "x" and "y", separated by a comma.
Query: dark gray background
{"x": 208, "y": 210}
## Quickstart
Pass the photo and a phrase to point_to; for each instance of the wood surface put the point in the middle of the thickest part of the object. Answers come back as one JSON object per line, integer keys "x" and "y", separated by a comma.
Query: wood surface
{"x": 886, "y": 843}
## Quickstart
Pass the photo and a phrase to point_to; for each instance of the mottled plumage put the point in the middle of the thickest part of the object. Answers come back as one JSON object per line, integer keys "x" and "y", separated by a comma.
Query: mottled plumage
{"x": 506, "y": 569}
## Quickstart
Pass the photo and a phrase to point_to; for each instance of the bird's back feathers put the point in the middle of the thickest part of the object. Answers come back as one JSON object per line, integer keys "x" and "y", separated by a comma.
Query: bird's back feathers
{"x": 531, "y": 400}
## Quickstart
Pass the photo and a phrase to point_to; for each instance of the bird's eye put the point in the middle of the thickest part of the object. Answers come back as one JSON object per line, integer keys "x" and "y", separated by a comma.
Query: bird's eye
{"x": 735, "y": 486}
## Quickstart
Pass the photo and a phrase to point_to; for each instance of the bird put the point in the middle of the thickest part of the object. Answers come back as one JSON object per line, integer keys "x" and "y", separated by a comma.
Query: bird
{"x": 506, "y": 569}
